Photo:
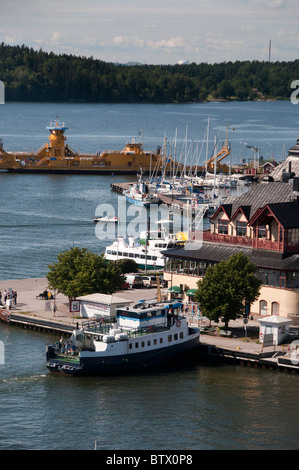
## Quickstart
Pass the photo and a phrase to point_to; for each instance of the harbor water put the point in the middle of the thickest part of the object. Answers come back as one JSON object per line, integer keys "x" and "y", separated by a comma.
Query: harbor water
{"x": 197, "y": 407}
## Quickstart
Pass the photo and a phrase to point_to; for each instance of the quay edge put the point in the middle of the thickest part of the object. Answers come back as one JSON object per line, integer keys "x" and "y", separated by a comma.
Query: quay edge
{"x": 208, "y": 353}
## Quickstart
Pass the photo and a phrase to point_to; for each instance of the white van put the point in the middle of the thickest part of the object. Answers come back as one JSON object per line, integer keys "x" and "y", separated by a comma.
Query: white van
{"x": 149, "y": 281}
{"x": 134, "y": 280}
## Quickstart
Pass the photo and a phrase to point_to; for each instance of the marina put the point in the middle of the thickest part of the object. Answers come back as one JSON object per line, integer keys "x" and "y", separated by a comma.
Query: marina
{"x": 210, "y": 403}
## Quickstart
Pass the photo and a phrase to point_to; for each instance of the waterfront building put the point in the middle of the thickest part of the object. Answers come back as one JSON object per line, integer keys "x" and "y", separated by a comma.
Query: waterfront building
{"x": 263, "y": 223}
{"x": 289, "y": 167}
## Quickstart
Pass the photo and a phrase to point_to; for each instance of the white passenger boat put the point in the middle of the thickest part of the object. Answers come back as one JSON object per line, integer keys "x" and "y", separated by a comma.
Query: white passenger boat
{"x": 146, "y": 252}
{"x": 149, "y": 334}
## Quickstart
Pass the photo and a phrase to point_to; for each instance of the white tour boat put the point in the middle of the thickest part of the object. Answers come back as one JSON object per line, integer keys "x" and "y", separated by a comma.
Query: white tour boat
{"x": 146, "y": 335}
{"x": 146, "y": 252}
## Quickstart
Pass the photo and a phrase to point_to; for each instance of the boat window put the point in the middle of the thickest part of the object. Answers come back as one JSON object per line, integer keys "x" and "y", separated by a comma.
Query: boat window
{"x": 181, "y": 335}
{"x": 113, "y": 253}
{"x": 142, "y": 344}
{"x": 136, "y": 345}
{"x": 175, "y": 336}
{"x": 124, "y": 254}
{"x": 169, "y": 338}
{"x": 109, "y": 252}
{"x": 155, "y": 341}
{"x": 149, "y": 343}
{"x": 151, "y": 313}
{"x": 142, "y": 256}
{"x": 130, "y": 346}
{"x": 161, "y": 340}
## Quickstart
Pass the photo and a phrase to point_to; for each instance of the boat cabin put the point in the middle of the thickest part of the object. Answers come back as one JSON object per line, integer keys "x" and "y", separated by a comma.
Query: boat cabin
{"x": 147, "y": 314}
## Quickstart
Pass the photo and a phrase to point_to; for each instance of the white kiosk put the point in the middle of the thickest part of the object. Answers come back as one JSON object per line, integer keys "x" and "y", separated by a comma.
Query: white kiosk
{"x": 276, "y": 326}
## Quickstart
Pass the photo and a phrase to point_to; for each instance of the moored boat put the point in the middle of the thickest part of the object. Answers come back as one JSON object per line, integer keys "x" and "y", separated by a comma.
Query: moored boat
{"x": 140, "y": 194}
{"x": 148, "y": 334}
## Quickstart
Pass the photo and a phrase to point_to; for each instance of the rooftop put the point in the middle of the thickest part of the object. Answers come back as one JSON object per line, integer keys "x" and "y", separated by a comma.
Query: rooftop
{"x": 259, "y": 196}
{"x": 216, "y": 252}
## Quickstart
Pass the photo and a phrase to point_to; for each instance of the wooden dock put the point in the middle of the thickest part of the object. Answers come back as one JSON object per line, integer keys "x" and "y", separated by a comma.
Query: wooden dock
{"x": 175, "y": 204}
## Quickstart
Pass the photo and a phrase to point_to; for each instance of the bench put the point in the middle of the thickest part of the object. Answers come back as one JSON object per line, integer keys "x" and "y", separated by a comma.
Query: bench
{"x": 225, "y": 333}
{"x": 206, "y": 329}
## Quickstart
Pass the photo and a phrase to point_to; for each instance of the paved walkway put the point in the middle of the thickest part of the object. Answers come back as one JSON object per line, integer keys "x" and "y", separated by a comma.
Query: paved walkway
{"x": 29, "y": 304}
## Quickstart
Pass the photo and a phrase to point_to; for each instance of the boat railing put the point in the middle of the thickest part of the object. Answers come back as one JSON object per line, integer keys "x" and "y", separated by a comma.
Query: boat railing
{"x": 147, "y": 330}
{"x": 98, "y": 327}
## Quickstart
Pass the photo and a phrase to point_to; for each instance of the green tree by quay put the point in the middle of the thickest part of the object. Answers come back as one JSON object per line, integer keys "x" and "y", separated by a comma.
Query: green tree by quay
{"x": 81, "y": 272}
{"x": 226, "y": 288}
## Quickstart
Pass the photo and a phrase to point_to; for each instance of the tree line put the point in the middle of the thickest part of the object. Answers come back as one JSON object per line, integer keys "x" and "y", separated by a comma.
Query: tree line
{"x": 31, "y": 75}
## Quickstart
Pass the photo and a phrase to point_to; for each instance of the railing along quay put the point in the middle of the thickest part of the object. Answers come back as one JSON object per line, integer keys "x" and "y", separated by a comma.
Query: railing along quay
{"x": 266, "y": 360}
{"x": 36, "y": 323}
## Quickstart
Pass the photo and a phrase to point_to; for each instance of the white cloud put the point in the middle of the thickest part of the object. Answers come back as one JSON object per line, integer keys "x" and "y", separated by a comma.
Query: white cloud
{"x": 56, "y": 37}
{"x": 172, "y": 43}
{"x": 277, "y": 3}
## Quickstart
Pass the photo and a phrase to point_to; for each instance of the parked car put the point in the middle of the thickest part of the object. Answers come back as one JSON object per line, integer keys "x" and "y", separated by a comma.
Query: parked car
{"x": 134, "y": 280}
{"x": 125, "y": 286}
{"x": 149, "y": 281}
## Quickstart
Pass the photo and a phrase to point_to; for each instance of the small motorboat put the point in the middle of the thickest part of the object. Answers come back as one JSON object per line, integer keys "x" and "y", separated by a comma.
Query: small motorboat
{"x": 105, "y": 218}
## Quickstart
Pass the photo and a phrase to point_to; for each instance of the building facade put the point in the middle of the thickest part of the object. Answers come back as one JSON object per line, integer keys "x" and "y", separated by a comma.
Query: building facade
{"x": 263, "y": 223}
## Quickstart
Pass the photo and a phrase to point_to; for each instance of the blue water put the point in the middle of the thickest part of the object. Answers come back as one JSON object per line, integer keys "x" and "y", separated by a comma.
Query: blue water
{"x": 197, "y": 407}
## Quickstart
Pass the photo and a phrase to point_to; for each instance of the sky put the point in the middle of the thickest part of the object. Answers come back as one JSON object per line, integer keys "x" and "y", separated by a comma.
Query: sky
{"x": 155, "y": 31}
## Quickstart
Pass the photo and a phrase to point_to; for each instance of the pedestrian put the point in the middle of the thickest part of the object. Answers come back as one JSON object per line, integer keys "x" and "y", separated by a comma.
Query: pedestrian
{"x": 5, "y": 296}
{"x": 0, "y": 298}
{"x": 14, "y": 296}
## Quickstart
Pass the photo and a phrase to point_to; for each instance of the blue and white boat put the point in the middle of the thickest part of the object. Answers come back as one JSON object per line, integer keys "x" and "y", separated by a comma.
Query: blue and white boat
{"x": 140, "y": 194}
{"x": 146, "y": 335}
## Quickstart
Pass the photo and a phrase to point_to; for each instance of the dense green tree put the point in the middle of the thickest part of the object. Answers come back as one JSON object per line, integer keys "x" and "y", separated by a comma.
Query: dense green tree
{"x": 81, "y": 272}
{"x": 127, "y": 265}
{"x": 226, "y": 288}
{"x": 31, "y": 75}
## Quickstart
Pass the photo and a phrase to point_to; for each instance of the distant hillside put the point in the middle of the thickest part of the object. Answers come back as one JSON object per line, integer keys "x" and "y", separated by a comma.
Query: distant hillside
{"x": 31, "y": 75}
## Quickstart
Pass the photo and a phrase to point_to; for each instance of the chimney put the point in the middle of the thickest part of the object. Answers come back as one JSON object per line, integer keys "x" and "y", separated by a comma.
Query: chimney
{"x": 296, "y": 184}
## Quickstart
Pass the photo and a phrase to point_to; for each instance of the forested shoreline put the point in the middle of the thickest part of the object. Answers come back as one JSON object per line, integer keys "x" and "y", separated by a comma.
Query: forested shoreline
{"x": 39, "y": 76}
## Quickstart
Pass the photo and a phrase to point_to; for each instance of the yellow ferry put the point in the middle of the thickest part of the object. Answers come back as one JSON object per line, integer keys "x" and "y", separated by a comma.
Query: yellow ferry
{"x": 57, "y": 157}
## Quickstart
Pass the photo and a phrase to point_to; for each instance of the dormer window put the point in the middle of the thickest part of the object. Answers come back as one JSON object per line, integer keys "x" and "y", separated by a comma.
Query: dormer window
{"x": 241, "y": 229}
{"x": 262, "y": 231}
{"x": 223, "y": 227}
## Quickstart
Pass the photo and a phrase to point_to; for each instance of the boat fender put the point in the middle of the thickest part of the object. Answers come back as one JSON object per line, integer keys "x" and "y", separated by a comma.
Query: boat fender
{"x": 178, "y": 323}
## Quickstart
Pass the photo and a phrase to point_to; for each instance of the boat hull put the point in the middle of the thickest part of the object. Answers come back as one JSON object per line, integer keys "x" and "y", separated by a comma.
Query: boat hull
{"x": 92, "y": 365}
{"x": 144, "y": 203}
